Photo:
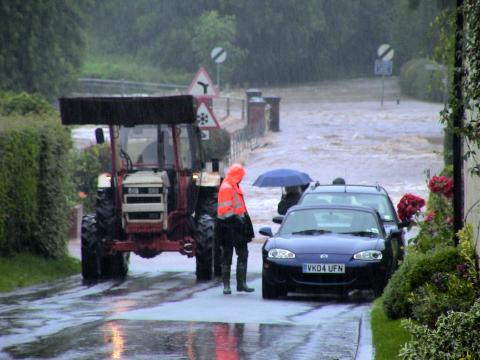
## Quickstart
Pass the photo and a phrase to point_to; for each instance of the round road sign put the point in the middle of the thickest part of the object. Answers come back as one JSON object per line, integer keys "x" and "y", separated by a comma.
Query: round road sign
{"x": 218, "y": 55}
{"x": 385, "y": 52}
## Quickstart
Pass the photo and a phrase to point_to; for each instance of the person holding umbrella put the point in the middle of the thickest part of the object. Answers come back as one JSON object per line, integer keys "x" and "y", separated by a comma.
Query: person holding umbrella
{"x": 234, "y": 228}
{"x": 295, "y": 183}
{"x": 289, "y": 198}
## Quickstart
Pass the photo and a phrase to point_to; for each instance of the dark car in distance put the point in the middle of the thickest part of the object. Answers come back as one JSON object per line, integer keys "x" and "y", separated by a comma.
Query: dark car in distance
{"x": 374, "y": 196}
{"x": 325, "y": 249}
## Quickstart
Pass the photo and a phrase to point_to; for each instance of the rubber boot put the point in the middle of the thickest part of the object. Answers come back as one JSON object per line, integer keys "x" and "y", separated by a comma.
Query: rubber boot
{"x": 226, "y": 280}
{"x": 242, "y": 278}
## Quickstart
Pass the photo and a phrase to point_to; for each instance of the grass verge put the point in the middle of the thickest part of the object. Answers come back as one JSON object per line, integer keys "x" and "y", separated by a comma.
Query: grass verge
{"x": 26, "y": 269}
{"x": 125, "y": 68}
{"x": 388, "y": 335}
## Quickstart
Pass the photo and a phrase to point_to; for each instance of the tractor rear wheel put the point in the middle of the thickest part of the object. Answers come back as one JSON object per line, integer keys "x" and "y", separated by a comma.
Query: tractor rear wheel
{"x": 105, "y": 212}
{"x": 205, "y": 239}
{"x": 91, "y": 249}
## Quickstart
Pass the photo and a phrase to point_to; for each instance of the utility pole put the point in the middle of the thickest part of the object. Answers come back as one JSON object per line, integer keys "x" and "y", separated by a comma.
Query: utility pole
{"x": 458, "y": 122}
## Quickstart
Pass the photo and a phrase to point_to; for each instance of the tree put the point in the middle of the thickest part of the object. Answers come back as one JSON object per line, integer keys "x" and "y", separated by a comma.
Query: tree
{"x": 42, "y": 45}
{"x": 212, "y": 30}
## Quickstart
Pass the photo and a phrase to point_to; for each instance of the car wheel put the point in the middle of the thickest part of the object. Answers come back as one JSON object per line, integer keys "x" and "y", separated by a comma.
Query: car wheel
{"x": 269, "y": 291}
{"x": 378, "y": 289}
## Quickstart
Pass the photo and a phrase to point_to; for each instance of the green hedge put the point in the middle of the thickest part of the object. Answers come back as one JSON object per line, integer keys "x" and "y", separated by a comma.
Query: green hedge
{"x": 86, "y": 165}
{"x": 34, "y": 185}
{"x": 415, "y": 271}
{"x": 455, "y": 336}
{"x": 23, "y": 103}
{"x": 417, "y": 79}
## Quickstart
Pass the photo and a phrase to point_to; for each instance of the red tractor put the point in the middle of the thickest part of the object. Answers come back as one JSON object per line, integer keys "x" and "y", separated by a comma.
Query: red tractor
{"x": 160, "y": 194}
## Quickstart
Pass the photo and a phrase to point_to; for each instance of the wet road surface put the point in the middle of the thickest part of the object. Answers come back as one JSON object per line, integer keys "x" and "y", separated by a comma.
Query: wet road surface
{"x": 161, "y": 312}
{"x": 170, "y": 316}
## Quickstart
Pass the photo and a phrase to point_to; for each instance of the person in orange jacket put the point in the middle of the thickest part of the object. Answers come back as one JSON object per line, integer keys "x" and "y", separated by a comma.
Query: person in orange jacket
{"x": 234, "y": 228}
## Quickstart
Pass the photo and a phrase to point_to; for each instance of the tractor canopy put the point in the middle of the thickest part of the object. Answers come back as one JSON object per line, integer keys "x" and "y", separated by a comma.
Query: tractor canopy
{"x": 128, "y": 111}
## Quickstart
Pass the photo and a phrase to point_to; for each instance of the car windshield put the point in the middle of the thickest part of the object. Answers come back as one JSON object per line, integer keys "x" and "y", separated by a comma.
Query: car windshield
{"x": 331, "y": 220}
{"x": 378, "y": 202}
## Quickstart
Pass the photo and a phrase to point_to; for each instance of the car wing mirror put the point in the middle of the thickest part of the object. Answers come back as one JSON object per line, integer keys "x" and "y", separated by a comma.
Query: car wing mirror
{"x": 266, "y": 231}
{"x": 99, "y": 136}
{"x": 278, "y": 219}
{"x": 395, "y": 232}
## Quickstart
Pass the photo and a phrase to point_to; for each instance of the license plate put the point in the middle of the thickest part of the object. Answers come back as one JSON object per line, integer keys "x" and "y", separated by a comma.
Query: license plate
{"x": 324, "y": 268}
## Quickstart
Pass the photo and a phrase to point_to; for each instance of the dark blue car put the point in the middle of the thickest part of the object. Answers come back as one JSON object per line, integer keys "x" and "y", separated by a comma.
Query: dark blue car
{"x": 325, "y": 249}
{"x": 374, "y": 196}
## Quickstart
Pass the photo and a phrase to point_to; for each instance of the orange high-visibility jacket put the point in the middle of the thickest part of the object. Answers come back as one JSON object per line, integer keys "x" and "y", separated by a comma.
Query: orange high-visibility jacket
{"x": 230, "y": 195}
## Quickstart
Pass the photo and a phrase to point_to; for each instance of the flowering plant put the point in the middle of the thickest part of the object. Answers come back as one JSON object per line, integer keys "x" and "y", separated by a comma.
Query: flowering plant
{"x": 409, "y": 206}
{"x": 441, "y": 185}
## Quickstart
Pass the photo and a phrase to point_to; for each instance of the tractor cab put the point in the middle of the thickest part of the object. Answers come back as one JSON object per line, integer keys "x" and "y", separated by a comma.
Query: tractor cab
{"x": 154, "y": 147}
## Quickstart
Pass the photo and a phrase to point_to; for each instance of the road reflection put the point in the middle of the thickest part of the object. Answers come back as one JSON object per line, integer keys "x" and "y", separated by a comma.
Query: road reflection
{"x": 114, "y": 335}
{"x": 226, "y": 341}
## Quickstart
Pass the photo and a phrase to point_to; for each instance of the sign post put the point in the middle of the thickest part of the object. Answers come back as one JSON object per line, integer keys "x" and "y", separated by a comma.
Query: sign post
{"x": 384, "y": 64}
{"x": 204, "y": 90}
{"x": 206, "y": 119}
{"x": 218, "y": 55}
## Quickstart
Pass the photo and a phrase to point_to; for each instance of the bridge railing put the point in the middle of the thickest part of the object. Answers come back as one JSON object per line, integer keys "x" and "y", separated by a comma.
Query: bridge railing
{"x": 246, "y": 139}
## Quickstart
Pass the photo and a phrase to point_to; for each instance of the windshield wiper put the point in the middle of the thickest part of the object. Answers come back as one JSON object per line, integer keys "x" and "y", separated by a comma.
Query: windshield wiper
{"x": 311, "y": 232}
{"x": 361, "y": 233}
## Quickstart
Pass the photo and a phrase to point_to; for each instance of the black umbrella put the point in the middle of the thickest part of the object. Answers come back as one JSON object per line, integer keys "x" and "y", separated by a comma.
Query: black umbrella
{"x": 282, "y": 178}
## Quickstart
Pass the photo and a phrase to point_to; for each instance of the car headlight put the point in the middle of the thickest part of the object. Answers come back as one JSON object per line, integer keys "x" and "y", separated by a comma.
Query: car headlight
{"x": 368, "y": 255}
{"x": 280, "y": 254}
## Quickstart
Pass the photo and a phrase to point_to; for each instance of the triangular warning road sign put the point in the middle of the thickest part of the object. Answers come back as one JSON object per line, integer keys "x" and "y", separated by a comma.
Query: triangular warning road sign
{"x": 205, "y": 117}
{"x": 202, "y": 84}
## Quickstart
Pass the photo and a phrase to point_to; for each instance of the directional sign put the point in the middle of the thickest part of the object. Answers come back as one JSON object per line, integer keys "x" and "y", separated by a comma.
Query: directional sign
{"x": 385, "y": 52}
{"x": 218, "y": 55}
{"x": 202, "y": 84}
{"x": 383, "y": 67}
{"x": 205, "y": 117}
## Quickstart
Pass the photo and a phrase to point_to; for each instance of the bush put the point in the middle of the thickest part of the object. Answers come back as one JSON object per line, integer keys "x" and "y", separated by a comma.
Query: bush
{"x": 416, "y": 270}
{"x": 23, "y": 103}
{"x": 86, "y": 165}
{"x": 436, "y": 229}
{"x": 218, "y": 146}
{"x": 33, "y": 185}
{"x": 446, "y": 292}
{"x": 456, "y": 336}
{"x": 417, "y": 80}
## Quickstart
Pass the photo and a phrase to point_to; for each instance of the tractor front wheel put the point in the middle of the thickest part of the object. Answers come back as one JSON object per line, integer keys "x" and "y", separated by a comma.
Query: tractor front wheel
{"x": 115, "y": 265}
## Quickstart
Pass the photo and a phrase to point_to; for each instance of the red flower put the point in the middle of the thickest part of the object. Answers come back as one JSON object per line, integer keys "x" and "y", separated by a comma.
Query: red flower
{"x": 441, "y": 185}
{"x": 449, "y": 220}
{"x": 430, "y": 216}
{"x": 408, "y": 206}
